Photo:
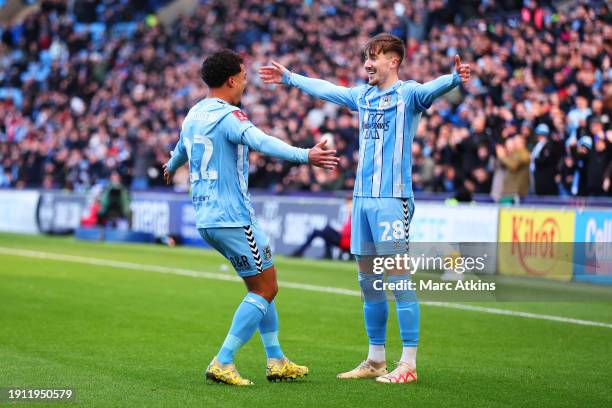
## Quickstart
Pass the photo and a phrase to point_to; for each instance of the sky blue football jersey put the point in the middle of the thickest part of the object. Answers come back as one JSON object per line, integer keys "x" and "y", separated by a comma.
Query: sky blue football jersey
{"x": 215, "y": 140}
{"x": 388, "y": 121}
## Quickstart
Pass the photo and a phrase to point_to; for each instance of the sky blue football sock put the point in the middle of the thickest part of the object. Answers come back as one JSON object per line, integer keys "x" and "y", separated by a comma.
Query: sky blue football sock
{"x": 246, "y": 319}
{"x": 408, "y": 312}
{"x": 375, "y": 308}
{"x": 268, "y": 328}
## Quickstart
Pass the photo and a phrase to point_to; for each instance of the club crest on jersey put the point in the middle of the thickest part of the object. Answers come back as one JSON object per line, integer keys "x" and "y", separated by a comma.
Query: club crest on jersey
{"x": 267, "y": 253}
{"x": 240, "y": 115}
{"x": 385, "y": 101}
{"x": 375, "y": 126}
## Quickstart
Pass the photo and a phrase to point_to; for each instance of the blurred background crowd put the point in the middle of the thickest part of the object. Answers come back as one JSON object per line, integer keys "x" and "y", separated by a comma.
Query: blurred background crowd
{"x": 88, "y": 88}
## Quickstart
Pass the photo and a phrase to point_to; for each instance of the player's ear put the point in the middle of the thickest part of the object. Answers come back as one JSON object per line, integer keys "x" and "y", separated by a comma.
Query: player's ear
{"x": 392, "y": 59}
{"x": 395, "y": 62}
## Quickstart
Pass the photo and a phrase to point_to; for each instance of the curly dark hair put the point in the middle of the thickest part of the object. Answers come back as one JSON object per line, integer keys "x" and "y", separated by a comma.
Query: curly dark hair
{"x": 218, "y": 67}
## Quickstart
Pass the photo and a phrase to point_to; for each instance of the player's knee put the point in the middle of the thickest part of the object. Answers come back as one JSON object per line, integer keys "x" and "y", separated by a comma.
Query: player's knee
{"x": 372, "y": 287}
{"x": 269, "y": 295}
{"x": 400, "y": 292}
{"x": 410, "y": 308}
{"x": 268, "y": 292}
{"x": 272, "y": 291}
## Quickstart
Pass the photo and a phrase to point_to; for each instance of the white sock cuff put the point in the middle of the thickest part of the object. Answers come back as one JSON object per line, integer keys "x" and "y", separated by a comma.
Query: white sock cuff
{"x": 377, "y": 353}
{"x": 409, "y": 356}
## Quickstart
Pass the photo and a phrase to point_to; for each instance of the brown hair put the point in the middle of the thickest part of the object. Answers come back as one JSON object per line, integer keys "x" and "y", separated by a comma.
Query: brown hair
{"x": 383, "y": 43}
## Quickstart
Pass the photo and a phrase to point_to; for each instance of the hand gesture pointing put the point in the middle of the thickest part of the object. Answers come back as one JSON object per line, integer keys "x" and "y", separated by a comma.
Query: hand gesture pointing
{"x": 462, "y": 69}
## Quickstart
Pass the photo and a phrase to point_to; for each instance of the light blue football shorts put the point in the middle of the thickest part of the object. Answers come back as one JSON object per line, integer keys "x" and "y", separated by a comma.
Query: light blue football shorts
{"x": 247, "y": 248}
{"x": 380, "y": 226}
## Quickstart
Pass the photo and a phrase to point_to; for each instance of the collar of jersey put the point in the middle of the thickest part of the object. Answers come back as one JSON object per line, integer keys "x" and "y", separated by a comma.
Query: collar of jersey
{"x": 377, "y": 94}
{"x": 218, "y": 100}
{"x": 392, "y": 88}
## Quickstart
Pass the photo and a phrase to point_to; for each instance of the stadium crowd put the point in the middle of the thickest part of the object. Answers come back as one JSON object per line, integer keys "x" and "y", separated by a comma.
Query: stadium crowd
{"x": 535, "y": 119}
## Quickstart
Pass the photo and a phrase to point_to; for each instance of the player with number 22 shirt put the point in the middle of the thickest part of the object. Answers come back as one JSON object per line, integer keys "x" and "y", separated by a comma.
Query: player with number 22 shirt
{"x": 215, "y": 139}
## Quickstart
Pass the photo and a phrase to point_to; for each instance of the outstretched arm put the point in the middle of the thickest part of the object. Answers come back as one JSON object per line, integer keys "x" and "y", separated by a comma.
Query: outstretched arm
{"x": 271, "y": 146}
{"x": 426, "y": 93}
{"x": 278, "y": 74}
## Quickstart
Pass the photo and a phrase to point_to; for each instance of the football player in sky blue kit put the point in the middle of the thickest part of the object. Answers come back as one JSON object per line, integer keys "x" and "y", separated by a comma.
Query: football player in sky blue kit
{"x": 389, "y": 112}
{"x": 215, "y": 139}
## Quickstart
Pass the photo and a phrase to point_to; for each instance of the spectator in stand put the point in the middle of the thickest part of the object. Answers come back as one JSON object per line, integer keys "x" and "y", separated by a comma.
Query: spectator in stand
{"x": 576, "y": 118}
{"x": 481, "y": 174}
{"x": 79, "y": 102}
{"x": 545, "y": 161}
{"x": 599, "y": 159}
{"x": 607, "y": 180}
{"x": 423, "y": 177}
{"x": 565, "y": 178}
{"x": 581, "y": 152}
{"x": 515, "y": 158}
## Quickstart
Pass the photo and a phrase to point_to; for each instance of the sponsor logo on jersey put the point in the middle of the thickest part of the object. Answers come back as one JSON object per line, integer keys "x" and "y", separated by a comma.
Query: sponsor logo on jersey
{"x": 240, "y": 262}
{"x": 375, "y": 126}
{"x": 200, "y": 199}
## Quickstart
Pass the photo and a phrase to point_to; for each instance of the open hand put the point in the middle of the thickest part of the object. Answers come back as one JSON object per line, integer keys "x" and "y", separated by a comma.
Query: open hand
{"x": 272, "y": 74}
{"x": 319, "y": 157}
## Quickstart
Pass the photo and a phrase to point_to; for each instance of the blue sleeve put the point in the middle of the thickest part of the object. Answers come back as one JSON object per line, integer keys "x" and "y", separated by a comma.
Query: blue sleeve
{"x": 323, "y": 89}
{"x": 240, "y": 130}
{"x": 423, "y": 95}
{"x": 179, "y": 156}
{"x": 235, "y": 124}
{"x": 271, "y": 146}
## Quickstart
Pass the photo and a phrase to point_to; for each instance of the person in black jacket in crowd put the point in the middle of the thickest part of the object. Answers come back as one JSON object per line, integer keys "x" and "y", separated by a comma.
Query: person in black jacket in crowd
{"x": 545, "y": 160}
{"x": 599, "y": 159}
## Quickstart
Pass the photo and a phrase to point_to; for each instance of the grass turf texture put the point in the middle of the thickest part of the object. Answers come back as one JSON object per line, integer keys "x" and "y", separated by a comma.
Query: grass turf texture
{"x": 124, "y": 337}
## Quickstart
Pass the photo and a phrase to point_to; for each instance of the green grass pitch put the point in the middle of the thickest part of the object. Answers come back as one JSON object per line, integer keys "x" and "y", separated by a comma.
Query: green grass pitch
{"x": 130, "y": 337}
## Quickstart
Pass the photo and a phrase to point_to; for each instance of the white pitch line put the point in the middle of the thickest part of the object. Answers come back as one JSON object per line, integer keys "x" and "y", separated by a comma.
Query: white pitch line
{"x": 527, "y": 315}
{"x": 293, "y": 285}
